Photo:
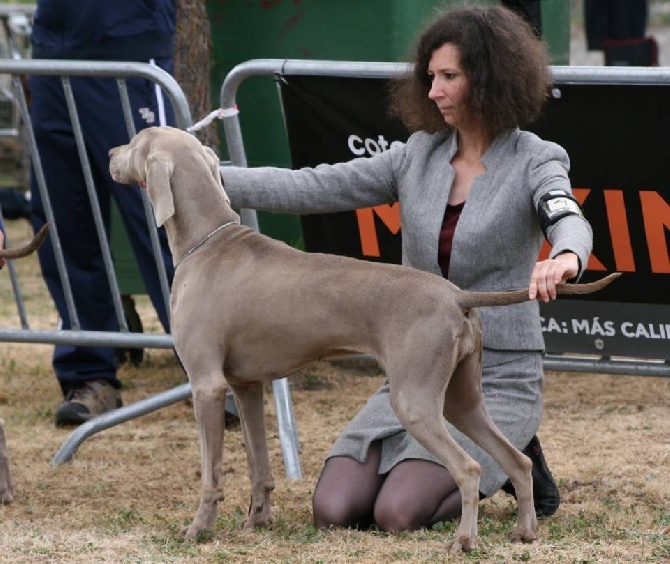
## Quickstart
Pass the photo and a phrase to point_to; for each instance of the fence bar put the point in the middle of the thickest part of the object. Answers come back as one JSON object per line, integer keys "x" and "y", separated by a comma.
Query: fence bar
{"x": 95, "y": 204}
{"x": 88, "y": 338}
{"x": 16, "y": 289}
{"x": 567, "y": 363}
{"x": 148, "y": 209}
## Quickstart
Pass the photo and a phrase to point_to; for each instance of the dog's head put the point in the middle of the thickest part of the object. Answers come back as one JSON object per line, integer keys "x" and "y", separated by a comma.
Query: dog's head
{"x": 149, "y": 160}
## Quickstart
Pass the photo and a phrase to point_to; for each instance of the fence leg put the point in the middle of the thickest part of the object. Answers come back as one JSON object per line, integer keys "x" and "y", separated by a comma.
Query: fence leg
{"x": 121, "y": 415}
{"x": 285, "y": 419}
{"x": 288, "y": 435}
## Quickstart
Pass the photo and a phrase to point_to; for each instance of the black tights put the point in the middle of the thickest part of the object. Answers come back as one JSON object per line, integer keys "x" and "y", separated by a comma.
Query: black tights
{"x": 414, "y": 494}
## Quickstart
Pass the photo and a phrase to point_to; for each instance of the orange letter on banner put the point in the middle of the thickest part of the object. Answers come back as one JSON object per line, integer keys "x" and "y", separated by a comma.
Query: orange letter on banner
{"x": 656, "y": 217}
{"x": 617, "y": 220}
{"x": 390, "y": 216}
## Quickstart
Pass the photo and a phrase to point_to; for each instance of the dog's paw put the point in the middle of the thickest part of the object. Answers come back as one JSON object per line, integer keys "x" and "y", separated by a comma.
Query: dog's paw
{"x": 257, "y": 520}
{"x": 193, "y": 533}
{"x": 523, "y": 534}
{"x": 6, "y": 497}
{"x": 461, "y": 544}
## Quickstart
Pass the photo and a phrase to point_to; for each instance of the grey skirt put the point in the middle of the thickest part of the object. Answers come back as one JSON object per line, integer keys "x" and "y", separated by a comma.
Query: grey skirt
{"x": 512, "y": 385}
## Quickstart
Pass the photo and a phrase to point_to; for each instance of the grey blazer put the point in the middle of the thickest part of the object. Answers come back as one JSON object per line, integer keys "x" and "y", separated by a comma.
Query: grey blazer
{"x": 497, "y": 238}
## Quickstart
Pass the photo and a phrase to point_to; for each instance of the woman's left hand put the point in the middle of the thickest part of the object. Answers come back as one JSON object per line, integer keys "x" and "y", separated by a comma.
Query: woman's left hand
{"x": 547, "y": 274}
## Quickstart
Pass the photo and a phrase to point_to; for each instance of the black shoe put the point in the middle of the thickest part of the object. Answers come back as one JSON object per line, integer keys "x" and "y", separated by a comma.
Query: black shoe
{"x": 545, "y": 491}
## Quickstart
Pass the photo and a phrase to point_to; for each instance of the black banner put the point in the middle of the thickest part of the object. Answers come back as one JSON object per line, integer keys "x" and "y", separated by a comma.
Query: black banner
{"x": 615, "y": 136}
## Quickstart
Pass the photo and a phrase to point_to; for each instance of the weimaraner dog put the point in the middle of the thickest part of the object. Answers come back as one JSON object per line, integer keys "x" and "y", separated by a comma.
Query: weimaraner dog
{"x": 247, "y": 309}
{"x": 6, "y": 489}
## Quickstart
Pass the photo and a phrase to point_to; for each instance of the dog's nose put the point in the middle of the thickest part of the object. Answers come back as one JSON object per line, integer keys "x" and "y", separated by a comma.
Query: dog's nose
{"x": 112, "y": 151}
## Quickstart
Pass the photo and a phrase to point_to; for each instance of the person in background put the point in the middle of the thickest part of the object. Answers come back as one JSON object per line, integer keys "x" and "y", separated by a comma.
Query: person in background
{"x": 97, "y": 30}
{"x": 614, "y": 19}
{"x": 619, "y": 29}
{"x": 478, "y": 195}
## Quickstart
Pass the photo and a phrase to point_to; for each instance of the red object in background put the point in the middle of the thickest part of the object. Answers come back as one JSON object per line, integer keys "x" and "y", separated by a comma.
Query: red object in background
{"x": 631, "y": 52}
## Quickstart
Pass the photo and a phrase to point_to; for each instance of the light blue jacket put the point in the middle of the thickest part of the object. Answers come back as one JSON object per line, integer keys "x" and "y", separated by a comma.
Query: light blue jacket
{"x": 497, "y": 238}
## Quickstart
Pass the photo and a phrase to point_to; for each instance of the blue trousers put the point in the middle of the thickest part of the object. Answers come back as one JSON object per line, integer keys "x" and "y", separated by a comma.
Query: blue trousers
{"x": 614, "y": 19}
{"x": 103, "y": 126}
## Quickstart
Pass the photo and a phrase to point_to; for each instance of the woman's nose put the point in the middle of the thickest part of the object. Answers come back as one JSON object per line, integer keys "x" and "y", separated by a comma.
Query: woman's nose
{"x": 435, "y": 89}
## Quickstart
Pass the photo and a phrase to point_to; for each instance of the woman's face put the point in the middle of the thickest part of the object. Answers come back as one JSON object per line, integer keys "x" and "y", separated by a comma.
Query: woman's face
{"x": 449, "y": 85}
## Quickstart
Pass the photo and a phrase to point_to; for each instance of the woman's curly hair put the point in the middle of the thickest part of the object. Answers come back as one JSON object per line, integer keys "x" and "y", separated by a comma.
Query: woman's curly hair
{"x": 505, "y": 62}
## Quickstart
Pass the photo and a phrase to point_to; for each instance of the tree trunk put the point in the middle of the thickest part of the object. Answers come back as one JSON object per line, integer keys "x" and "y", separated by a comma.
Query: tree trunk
{"x": 193, "y": 46}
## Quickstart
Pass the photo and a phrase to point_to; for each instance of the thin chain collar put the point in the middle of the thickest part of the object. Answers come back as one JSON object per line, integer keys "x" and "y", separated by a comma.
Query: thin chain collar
{"x": 202, "y": 242}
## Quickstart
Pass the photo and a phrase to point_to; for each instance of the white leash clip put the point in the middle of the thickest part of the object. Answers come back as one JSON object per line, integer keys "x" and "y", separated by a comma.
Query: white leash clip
{"x": 220, "y": 114}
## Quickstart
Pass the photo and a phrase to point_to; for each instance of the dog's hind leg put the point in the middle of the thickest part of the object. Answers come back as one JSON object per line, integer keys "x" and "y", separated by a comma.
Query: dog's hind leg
{"x": 464, "y": 408}
{"x": 6, "y": 492}
{"x": 209, "y": 398}
{"x": 417, "y": 395}
{"x": 249, "y": 399}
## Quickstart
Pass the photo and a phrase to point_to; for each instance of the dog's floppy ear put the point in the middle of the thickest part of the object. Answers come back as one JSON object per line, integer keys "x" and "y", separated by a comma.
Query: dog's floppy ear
{"x": 159, "y": 167}
{"x": 213, "y": 161}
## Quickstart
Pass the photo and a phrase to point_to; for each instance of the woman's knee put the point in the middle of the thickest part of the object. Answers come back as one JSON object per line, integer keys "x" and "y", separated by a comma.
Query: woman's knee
{"x": 396, "y": 517}
{"x": 346, "y": 491}
{"x": 331, "y": 510}
{"x": 416, "y": 494}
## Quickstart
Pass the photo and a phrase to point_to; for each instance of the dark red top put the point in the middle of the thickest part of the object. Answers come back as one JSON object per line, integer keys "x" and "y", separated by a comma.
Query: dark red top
{"x": 451, "y": 215}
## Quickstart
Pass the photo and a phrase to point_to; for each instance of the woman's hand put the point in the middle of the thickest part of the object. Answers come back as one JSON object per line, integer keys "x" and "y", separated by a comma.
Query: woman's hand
{"x": 548, "y": 273}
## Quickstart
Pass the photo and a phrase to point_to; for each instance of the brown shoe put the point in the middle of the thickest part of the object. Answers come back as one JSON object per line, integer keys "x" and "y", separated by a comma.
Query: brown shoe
{"x": 86, "y": 401}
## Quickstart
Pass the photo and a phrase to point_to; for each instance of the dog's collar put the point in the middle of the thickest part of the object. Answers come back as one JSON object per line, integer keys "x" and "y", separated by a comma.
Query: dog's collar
{"x": 202, "y": 242}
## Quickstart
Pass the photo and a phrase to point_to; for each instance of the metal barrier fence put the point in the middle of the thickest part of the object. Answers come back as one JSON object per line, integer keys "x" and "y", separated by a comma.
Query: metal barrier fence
{"x": 383, "y": 70}
{"x": 123, "y": 338}
{"x": 121, "y": 71}
{"x": 66, "y": 69}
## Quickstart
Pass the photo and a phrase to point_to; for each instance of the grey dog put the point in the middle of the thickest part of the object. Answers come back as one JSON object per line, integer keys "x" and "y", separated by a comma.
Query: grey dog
{"x": 247, "y": 309}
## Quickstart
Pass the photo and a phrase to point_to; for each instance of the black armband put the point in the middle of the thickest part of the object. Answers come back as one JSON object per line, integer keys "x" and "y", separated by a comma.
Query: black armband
{"x": 554, "y": 206}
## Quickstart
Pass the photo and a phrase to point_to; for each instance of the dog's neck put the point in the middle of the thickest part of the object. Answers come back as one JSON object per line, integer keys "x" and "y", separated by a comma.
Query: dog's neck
{"x": 198, "y": 213}
{"x": 204, "y": 240}
{"x": 208, "y": 225}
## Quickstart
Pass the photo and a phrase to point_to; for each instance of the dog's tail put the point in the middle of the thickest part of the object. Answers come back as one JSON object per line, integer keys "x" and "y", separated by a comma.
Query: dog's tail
{"x": 468, "y": 300}
{"x": 27, "y": 249}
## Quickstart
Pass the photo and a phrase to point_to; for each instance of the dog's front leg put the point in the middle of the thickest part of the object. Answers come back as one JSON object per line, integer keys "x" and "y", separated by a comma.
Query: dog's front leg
{"x": 249, "y": 398}
{"x": 209, "y": 407}
{"x": 6, "y": 491}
